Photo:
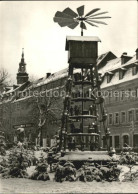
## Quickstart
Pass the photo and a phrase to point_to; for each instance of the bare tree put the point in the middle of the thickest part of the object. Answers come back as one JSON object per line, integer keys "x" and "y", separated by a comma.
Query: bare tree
{"x": 4, "y": 79}
{"x": 3, "y": 76}
{"x": 48, "y": 112}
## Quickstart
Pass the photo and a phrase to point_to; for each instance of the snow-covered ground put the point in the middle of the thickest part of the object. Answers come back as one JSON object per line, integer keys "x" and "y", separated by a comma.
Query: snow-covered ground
{"x": 19, "y": 185}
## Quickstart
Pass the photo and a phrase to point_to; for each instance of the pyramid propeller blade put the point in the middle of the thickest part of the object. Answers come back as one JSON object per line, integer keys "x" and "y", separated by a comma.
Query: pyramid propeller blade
{"x": 62, "y": 15}
{"x": 73, "y": 25}
{"x": 100, "y": 17}
{"x": 80, "y": 10}
{"x": 91, "y": 24}
{"x": 83, "y": 26}
{"x": 63, "y": 24}
{"x": 70, "y": 12}
{"x": 98, "y": 22}
{"x": 92, "y": 11}
{"x": 98, "y": 14}
{"x": 59, "y": 19}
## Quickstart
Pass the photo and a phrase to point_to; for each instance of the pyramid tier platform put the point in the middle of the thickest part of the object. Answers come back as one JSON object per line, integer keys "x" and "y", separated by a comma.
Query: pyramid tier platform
{"x": 82, "y": 99}
{"x": 82, "y": 134}
{"x": 91, "y": 156}
{"x": 82, "y": 82}
{"x": 82, "y": 116}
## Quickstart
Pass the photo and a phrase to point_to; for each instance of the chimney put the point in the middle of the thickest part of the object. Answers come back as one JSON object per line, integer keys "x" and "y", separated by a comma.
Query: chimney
{"x": 47, "y": 75}
{"x": 136, "y": 54}
{"x": 124, "y": 58}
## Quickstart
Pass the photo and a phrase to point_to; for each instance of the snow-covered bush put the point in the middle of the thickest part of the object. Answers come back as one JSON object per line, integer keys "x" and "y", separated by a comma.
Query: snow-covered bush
{"x": 90, "y": 172}
{"x": 129, "y": 159}
{"x": 16, "y": 165}
{"x": 41, "y": 171}
{"x": 65, "y": 173}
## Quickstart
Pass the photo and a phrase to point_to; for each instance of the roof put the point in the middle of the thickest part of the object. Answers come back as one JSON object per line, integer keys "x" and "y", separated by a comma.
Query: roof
{"x": 101, "y": 57}
{"x": 81, "y": 38}
{"x": 8, "y": 91}
{"x": 60, "y": 74}
{"x": 111, "y": 65}
{"x": 53, "y": 77}
{"x": 131, "y": 61}
{"x": 115, "y": 64}
{"x": 17, "y": 88}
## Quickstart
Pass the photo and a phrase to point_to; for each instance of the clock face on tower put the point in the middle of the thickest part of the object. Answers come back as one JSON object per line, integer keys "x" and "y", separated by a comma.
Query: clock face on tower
{"x": 22, "y": 69}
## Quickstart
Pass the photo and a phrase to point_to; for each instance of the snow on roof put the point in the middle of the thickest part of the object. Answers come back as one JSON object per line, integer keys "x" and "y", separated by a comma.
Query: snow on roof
{"x": 115, "y": 79}
{"x": 9, "y": 91}
{"x": 101, "y": 57}
{"x": 21, "y": 99}
{"x": 15, "y": 89}
{"x": 53, "y": 77}
{"x": 81, "y": 38}
{"x": 131, "y": 61}
{"x": 57, "y": 75}
{"x": 111, "y": 65}
{"x": 115, "y": 64}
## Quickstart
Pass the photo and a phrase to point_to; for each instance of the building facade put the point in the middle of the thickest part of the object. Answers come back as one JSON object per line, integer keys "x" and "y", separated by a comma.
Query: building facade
{"x": 120, "y": 88}
{"x": 21, "y": 106}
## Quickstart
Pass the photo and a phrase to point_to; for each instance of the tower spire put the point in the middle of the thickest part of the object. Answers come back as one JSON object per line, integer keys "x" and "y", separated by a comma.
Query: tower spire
{"x": 22, "y": 75}
{"x": 22, "y": 59}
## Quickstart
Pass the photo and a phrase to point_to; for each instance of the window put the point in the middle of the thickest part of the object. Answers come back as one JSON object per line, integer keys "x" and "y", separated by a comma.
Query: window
{"x": 134, "y": 70}
{"x": 43, "y": 87}
{"x": 136, "y": 114}
{"x": 125, "y": 140}
{"x": 108, "y": 78}
{"x": 116, "y": 140}
{"x": 121, "y": 75}
{"x": 110, "y": 95}
{"x": 17, "y": 106}
{"x": 123, "y": 117}
{"x": 116, "y": 96}
{"x": 110, "y": 119}
{"x": 104, "y": 142}
{"x": 105, "y": 100}
{"x": 136, "y": 89}
{"x": 130, "y": 115}
{"x": 122, "y": 95}
{"x": 20, "y": 95}
{"x": 135, "y": 140}
{"x": 134, "y": 93}
{"x": 129, "y": 93}
{"x": 116, "y": 118}
{"x": 110, "y": 141}
{"x": 24, "y": 94}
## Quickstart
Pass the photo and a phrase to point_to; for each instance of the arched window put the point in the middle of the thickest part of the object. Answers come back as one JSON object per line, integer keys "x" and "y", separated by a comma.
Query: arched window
{"x": 125, "y": 140}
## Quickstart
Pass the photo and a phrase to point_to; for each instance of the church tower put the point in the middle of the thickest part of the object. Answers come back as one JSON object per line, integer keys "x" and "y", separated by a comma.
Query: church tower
{"x": 22, "y": 75}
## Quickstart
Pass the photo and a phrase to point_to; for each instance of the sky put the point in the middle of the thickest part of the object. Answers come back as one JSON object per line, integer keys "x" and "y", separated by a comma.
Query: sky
{"x": 30, "y": 25}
